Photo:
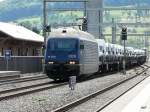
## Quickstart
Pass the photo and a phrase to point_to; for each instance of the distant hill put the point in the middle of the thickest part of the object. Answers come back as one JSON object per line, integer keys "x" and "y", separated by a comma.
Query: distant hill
{"x": 11, "y": 10}
{"x": 126, "y": 2}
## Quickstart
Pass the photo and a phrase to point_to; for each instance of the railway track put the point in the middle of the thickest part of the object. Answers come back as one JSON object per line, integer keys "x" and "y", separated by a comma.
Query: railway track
{"x": 88, "y": 97}
{"x": 15, "y": 92}
{"x": 24, "y": 79}
{"x": 105, "y": 105}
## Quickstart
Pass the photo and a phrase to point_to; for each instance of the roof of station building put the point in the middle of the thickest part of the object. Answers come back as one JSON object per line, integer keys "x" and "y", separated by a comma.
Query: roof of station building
{"x": 20, "y": 32}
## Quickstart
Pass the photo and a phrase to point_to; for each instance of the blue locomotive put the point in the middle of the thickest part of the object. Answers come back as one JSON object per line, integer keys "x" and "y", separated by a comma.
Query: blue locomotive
{"x": 70, "y": 52}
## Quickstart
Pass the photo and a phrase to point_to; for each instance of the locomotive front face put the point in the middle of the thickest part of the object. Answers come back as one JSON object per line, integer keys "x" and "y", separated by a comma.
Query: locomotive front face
{"x": 62, "y": 57}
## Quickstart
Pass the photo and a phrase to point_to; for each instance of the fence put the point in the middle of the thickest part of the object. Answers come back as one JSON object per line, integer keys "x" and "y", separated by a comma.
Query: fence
{"x": 25, "y": 64}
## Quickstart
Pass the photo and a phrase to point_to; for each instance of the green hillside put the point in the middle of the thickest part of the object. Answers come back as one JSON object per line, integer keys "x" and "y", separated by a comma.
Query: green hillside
{"x": 29, "y": 14}
{"x": 11, "y": 10}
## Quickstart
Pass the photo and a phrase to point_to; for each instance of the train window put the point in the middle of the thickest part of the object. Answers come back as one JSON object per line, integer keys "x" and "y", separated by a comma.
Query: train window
{"x": 2, "y": 52}
{"x": 19, "y": 52}
{"x": 101, "y": 48}
{"x": 11, "y": 51}
{"x": 63, "y": 45}
{"x": 107, "y": 49}
{"x": 81, "y": 46}
{"x": 26, "y": 52}
{"x": 33, "y": 52}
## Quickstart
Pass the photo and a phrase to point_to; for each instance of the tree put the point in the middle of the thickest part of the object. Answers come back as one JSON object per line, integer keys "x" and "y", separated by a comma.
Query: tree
{"x": 36, "y": 30}
{"x": 26, "y": 24}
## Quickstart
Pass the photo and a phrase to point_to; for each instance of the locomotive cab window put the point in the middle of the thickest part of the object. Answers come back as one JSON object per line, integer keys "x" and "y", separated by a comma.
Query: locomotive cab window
{"x": 63, "y": 45}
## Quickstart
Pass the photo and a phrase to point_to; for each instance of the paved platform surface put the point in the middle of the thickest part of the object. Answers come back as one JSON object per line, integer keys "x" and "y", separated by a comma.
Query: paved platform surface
{"x": 135, "y": 100}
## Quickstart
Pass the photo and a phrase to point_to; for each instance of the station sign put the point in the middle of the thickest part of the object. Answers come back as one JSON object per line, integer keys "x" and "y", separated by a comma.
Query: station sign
{"x": 7, "y": 54}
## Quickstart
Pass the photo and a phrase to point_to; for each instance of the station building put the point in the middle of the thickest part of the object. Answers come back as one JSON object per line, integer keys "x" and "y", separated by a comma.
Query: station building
{"x": 21, "y": 41}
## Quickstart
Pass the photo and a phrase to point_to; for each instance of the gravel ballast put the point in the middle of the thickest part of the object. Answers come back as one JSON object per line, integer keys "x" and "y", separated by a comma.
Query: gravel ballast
{"x": 50, "y": 99}
{"x": 100, "y": 100}
{"x": 23, "y": 84}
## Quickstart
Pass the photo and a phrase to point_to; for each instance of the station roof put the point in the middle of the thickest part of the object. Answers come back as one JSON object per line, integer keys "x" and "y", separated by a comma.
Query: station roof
{"x": 20, "y": 32}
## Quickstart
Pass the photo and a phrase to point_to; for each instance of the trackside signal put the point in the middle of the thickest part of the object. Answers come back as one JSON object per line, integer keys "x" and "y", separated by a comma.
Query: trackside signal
{"x": 124, "y": 33}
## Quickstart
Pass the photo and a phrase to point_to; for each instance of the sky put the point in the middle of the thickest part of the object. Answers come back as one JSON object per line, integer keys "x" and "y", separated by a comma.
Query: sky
{"x": 1, "y": 0}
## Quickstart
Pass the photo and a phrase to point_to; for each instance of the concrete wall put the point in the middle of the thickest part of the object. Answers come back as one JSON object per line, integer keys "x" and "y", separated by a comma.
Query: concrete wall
{"x": 25, "y": 64}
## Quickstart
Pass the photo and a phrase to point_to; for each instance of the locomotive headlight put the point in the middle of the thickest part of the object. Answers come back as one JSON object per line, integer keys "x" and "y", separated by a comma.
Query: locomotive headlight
{"x": 50, "y": 62}
{"x": 72, "y": 62}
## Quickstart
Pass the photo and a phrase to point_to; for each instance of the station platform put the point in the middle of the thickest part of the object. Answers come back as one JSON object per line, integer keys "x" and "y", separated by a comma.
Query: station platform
{"x": 9, "y": 74}
{"x": 135, "y": 100}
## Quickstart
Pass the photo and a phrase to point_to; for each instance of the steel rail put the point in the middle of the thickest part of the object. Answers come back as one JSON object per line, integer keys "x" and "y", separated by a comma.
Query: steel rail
{"x": 10, "y": 93}
{"x": 25, "y": 79}
{"x": 106, "y": 104}
{"x": 15, "y": 92}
